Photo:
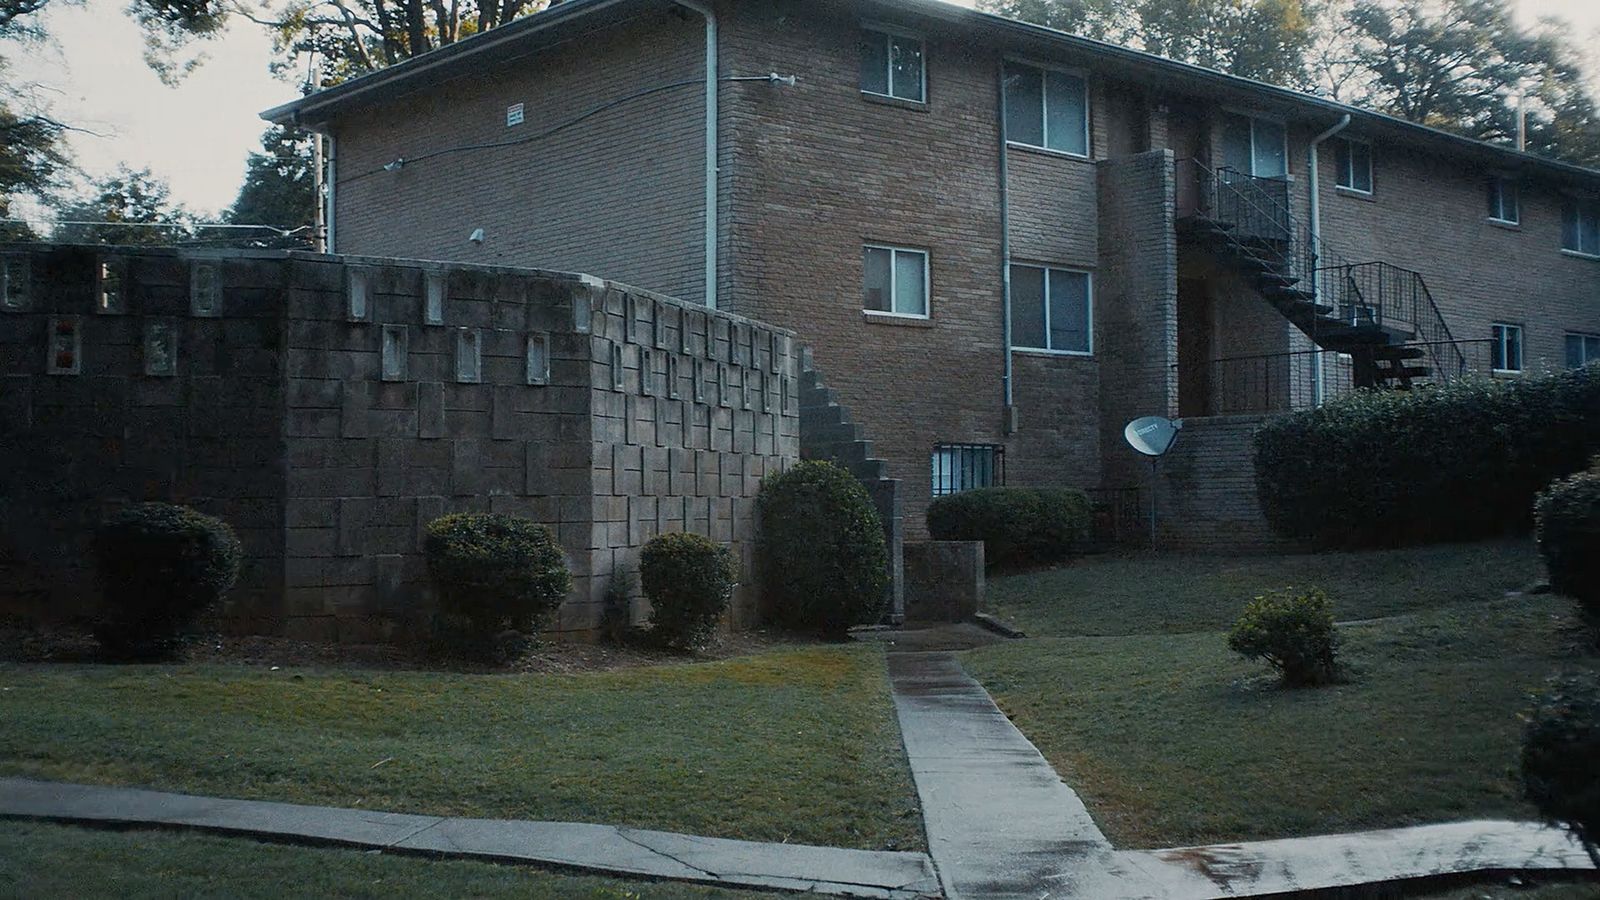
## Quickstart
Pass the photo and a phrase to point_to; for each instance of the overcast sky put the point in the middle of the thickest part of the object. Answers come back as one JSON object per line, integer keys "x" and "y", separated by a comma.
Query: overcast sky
{"x": 196, "y": 135}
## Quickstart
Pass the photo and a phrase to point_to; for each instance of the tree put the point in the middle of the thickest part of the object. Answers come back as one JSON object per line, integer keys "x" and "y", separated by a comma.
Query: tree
{"x": 128, "y": 202}
{"x": 278, "y": 190}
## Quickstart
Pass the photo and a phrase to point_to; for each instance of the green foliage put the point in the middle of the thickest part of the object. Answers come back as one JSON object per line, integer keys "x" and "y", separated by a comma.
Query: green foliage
{"x": 159, "y": 566}
{"x": 688, "y": 578}
{"x": 1567, "y": 519}
{"x": 1456, "y": 462}
{"x": 136, "y": 207}
{"x": 495, "y": 573}
{"x": 1293, "y": 632}
{"x": 824, "y": 564}
{"x": 278, "y": 190}
{"x": 1561, "y": 754}
{"x": 1017, "y": 525}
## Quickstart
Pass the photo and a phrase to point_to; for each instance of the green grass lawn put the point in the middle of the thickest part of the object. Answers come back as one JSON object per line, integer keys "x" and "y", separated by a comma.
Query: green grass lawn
{"x": 1113, "y": 595}
{"x": 1173, "y": 740}
{"x": 798, "y": 746}
{"x": 44, "y": 861}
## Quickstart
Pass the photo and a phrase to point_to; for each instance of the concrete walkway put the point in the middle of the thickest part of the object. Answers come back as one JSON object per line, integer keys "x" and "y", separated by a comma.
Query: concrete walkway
{"x": 600, "y": 848}
{"x": 1002, "y": 824}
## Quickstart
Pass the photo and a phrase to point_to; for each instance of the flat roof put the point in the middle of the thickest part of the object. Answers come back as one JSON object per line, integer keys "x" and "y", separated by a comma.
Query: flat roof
{"x": 574, "y": 19}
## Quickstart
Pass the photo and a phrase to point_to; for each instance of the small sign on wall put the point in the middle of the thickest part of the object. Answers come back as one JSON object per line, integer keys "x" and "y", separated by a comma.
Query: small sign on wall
{"x": 514, "y": 115}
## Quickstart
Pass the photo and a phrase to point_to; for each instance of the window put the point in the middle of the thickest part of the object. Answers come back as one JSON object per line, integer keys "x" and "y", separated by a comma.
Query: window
{"x": 1580, "y": 226}
{"x": 1582, "y": 349}
{"x": 1046, "y": 108}
{"x": 1505, "y": 349}
{"x": 1256, "y": 147}
{"x": 1354, "y": 161}
{"x": 1051, "y": 309}
{"x": 962, "y": 467}
{"x": 896, "y": 281}
{"x": 1504, "y": 201}
{"x": 892, "y": 65}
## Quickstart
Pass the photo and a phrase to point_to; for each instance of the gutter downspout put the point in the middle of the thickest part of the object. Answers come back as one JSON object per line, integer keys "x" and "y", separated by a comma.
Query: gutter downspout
{"x": 1312, "y": 168}
{"x": 1009, "y": 410}
{"x": 709, "y": 14}
{"x": 328, "y": 217}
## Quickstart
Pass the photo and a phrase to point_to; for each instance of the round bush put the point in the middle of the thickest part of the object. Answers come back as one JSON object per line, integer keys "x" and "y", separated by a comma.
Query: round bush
{"x": 159, "y": 566}
{"x": 1016, "y": 525}
{"x": 495, "y": 573}
{"x": 824, "y": 566}
{"x": 1567, "y": 519}
{"x": 1561, "y": 755}
{"x": 688, "y": 578}
{"x": 1293, "y": 632}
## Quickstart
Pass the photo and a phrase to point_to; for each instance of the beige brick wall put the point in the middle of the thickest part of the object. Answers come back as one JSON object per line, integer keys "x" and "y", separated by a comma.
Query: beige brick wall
{"x": 619, "y": 195}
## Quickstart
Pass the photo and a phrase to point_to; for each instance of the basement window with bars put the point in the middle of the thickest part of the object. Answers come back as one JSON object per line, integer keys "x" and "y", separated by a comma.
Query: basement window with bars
{"x": 1505, "y": 348}
{"x": 962, "y": 467}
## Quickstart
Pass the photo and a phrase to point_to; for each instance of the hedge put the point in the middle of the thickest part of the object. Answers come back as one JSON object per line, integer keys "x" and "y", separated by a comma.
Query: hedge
{"x": 1567, "y": 519}
{"x": 494, "y": 573}
{"x": 1458, "y": 461}
{"x": 688, "y": 578}
{"x": 1017, "y": 525}
{"x": 824, "y": 561}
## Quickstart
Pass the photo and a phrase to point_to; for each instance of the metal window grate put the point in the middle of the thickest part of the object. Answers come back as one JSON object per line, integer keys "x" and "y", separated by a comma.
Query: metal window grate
{"x": 962, "y": 467}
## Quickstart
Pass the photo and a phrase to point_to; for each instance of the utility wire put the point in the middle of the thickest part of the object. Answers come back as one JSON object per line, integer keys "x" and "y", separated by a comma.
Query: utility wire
{"x": 401, "y": 162}
{"x": 281, "y": 232}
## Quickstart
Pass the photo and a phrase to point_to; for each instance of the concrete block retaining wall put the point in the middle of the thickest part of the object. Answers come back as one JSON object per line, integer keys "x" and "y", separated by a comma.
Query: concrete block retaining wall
{"x": 330, "y": 407}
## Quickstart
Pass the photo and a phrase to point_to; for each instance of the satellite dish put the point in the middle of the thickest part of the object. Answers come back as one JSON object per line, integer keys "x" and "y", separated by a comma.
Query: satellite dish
{"x": 1152, "y": 435}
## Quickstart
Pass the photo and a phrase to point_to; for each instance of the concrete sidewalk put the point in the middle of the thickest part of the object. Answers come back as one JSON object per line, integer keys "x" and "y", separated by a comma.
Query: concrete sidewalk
{"x": 600, "y": 848}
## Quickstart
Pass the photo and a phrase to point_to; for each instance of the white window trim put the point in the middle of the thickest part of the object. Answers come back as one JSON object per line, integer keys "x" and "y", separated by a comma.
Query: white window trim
{"x": 1522, "y": 347}
{"x": 1349, "y": 142}
{"x": 1499, "y": 182}
{"x": 927, "y": 281}
{"x": 1044, "y": 111}
{"x": 1281, "y": 122}
{"x": 1089, "y": 317}
{"x": 1586, "y": 335}
{"x": 895, "y": 31}
{"x": 1579, "y": 204}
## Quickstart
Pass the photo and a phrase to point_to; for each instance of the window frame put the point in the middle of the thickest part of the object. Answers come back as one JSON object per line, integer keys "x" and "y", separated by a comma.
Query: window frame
{"x": 1088, "y": 311}
{"x": 996, "y": 467}
{"x": 889, "y": 32}
{"x": 1584, "y": 337}
{"x": 1497, "y": 185}
{"x": 1253, "y": 117}
{"x": 1498, "y": 333}
{"x": 1349, "y": 168}
{"x": 927, "y": 281}
{"x": 1044, "y": 106}
{"x": 1578, "y": 206}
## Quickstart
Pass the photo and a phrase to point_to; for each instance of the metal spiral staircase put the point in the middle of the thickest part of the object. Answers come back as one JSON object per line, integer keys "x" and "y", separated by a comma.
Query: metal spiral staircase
{"x": 1381, "y": 315}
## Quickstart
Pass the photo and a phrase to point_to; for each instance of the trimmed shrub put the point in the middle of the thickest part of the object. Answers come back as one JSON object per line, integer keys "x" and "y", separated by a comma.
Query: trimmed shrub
{"x": 1017, "y": 525}
{"x": 824, "y": 565}
{"x": 1293, "y": 632}
{"x": 494, "y": 573}
{"x": 1454, "y": 462}
{"x": 688, "y": 578}
{"x": 1561, "y": 755}
{"x": 1567, "y": 520}
{"x": 159, "y": 566}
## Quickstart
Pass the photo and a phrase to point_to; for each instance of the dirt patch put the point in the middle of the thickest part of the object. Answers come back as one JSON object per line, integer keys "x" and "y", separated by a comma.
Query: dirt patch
{"x": 547, "y": 656}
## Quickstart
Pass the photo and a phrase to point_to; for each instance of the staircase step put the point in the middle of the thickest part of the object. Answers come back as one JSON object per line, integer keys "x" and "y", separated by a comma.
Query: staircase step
{"x": 870, "y": 470}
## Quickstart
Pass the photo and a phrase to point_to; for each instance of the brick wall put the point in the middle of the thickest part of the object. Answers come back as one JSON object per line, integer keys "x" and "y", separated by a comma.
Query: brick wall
{"x": 330, "y": 407}
{"x": 620, "y": 194}
{"x": 1205, "y": 492}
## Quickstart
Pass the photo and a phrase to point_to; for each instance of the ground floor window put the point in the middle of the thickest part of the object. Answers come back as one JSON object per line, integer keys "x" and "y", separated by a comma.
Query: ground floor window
{"x": 1051, "y": 309}
{"x": 962, "y": 467}
{"x": 1582, "y": 349}
{"x": 896, "y": 281}
{"x": 1505, "y": 349}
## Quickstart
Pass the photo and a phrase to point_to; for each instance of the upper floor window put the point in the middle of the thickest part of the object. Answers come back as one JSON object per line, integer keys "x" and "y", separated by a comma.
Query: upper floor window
{"x": 892, "y": 65}
{"x": 1046, "y": 108}
{"x": 1354, "y": 162}
{"x": 1051, "y": 309}
{"x": 1505, "y": 349}
{"x": 1258, "y": 147}
{"x": 896, "y": 281}
{"x": 963, "y": 467}
{"x": 1505, "y": 202}
{"x": 1582, "y": 349}
{"x": 1580, "y": 226}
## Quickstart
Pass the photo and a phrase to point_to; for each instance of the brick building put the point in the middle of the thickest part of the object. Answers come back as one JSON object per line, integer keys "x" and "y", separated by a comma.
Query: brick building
{"x": 1000, "y": 242}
